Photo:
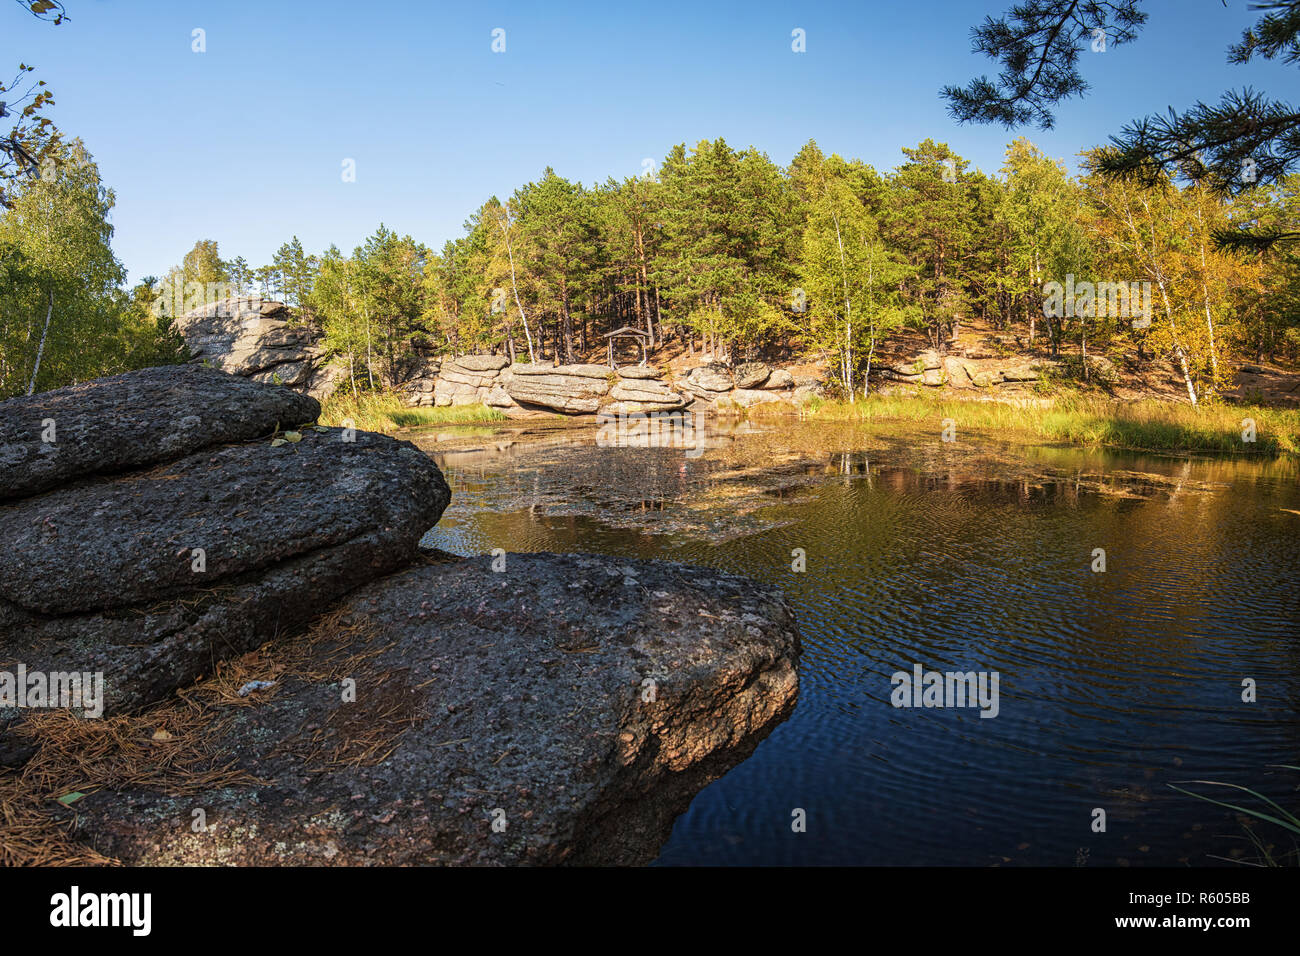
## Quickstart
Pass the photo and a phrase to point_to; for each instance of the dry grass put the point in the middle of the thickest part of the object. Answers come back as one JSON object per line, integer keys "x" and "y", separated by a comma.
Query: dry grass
{"x": 387, "y": 411}
{"x": 1148, "y": 425}
{"x": 175, "y": 747}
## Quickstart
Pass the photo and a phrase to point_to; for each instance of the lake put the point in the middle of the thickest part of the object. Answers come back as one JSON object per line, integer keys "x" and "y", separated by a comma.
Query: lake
{"x": 970, "y": 555}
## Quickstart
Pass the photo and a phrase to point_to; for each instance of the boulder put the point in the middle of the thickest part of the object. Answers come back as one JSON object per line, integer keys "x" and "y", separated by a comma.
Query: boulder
{"x": 447, "y": 392}
{"x": 577, "y": 702}
{"x": 574, "y": 389}
{"x": 924, "y": 362}
{"x": 498, "y": 397}
{"x": 654, "y": 396}
{"x": 1103, "y": 368}
{"x": 934, "y": 377}
{"x": 779, "y": 378}
{"x": 1019, "y": 375}
{"x": 257, "y": 338}
{"x": 134, "y": 420}
{"x": 710, "y": 378}
{"x": 153, "y": 575}
{"x": 745, "y": 397}
{"x": 751, "y": 374}
{"x": 453, "y": 374}
{"x": 955, "y": 371}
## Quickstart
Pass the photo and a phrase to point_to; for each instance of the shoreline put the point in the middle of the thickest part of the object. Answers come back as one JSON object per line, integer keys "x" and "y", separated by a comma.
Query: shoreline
{"x": 1072, "y": 419}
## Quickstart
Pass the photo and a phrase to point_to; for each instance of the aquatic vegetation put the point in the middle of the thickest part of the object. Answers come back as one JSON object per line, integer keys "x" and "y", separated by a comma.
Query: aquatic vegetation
{"x": 1084, "y": 420}
{"x": 387, "y": 412}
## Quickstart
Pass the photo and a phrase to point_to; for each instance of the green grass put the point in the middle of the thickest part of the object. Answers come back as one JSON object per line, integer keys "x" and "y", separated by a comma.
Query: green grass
{"x": 1264, "y": 811}
{"x": 1086, "y": 420}
{"x": 388, "y": 411}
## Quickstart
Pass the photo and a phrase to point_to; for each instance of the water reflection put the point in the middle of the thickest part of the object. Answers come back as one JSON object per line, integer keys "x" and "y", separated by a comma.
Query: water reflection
{"x": 974, "y": 555}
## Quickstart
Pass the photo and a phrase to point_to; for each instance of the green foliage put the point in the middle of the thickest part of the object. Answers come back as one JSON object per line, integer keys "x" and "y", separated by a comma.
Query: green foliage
{"x": 827, "y": 260}
{"x": 1244, "y": 140}
{"x": 1089, "y": 420}
{"x": 63, "y": 315}
{"x": 387, "y": 411}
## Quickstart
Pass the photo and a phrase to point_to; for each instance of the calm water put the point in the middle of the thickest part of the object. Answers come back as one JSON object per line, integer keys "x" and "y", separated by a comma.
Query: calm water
{"x": 975, "y": 555}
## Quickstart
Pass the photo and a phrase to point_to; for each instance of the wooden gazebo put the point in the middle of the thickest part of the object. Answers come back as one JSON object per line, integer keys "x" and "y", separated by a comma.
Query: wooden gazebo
{"x": 627, "y": 332}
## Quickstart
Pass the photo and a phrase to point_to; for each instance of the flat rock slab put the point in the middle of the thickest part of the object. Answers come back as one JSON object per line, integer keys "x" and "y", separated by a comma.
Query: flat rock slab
{"x": 639, "y": 372}
{"x": 600, "y": 372}
{"x": 480, "y": 363}
{"x": 135, "y": 420}
{"x": 645, "y": 392}
{"x": 564, "y": 393}
{"x": 130, "y": 539}
{"x": 102, "y": 576}
{"x": 564, "y": 710}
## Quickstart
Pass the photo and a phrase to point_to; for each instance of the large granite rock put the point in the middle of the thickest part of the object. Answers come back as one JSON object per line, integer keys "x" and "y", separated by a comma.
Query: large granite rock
{"x": 153, "y": 574}
{"x": 644, "y": 396}
{"x": 751, "y": 374}
{"x": 255, "y": 338}
{"x": 712, "y": 378}
{"x": 1022, "y": 373}
{"x": 574, "y": 389}
{"x": 133, "y": 420}
{"x": 779, "y": 378}
{"x": 247, "y": 506}
{"x": 564, "y": 710}
{"x": 481, "y": 363}
{"x": 745, "y": 397}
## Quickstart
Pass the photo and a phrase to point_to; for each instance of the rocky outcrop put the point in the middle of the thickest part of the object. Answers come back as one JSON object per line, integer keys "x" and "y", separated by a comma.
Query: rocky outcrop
{"x": 574, "y": 389}
{"x": 468, "y": 379}
{"x": 632, "y": 395}
{"x": 195, "y": 548}
{"x": 639, "y": 371}
{"x": 709, "y": 378}
{"x": 559, "y": 709}
{"x": 750, "y": 383}
{"x": 963, "y": 372}
{"x": 745, "y": 397}
{"x": 524, "y": 388}
{"x": 779, "y": 379}
{"x": 129, "y": 421}
{"x": 750, "y": 375}
{"x": 257, "y": 339}
{"x": 564, "y": 710}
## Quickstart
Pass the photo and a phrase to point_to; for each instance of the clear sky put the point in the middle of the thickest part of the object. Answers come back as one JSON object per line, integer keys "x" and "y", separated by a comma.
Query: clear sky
{"x": 245, "y": 143}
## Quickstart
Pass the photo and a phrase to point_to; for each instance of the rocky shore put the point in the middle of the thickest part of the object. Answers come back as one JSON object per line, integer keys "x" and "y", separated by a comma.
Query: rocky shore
{"x": 178, "y": 525}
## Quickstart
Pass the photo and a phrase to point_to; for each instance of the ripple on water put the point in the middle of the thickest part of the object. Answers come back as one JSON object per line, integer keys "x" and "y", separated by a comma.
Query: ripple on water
{"x": 1112, "y": 685}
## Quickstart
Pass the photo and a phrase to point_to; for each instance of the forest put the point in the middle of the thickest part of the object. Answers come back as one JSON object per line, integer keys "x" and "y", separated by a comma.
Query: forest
{"x": 715, "y": 248}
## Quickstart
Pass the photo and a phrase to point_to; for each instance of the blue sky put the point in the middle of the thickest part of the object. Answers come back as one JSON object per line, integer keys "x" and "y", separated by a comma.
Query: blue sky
{"x": 245, "y": 143}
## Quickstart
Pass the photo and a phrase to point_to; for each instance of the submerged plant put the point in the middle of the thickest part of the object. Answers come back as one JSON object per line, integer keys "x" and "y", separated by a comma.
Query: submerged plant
{"x": 1276, "y": 814}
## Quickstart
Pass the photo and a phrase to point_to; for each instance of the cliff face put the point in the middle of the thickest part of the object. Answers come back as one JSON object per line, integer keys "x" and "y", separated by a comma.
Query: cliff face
{"x": 254, "y": 338}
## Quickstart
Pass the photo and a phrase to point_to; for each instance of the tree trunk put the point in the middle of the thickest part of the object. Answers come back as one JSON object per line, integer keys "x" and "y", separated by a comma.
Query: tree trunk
{"x": 522, "y": 314}
{"x": 40, "y": 349}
